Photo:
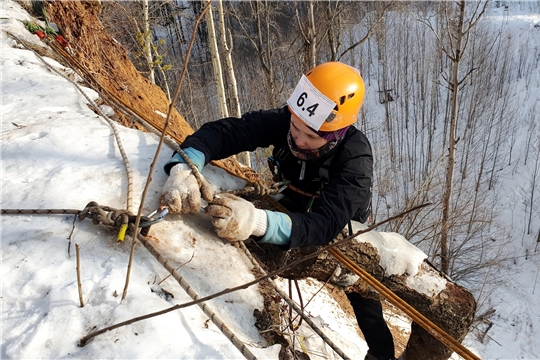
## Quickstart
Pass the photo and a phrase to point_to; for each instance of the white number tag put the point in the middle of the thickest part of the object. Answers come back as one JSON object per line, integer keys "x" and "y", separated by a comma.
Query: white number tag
{"x": 309, "y": 104}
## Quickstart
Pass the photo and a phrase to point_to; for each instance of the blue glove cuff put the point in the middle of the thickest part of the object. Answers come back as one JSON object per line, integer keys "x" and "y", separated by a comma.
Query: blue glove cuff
{"x": 196, "y": 157}
{"x": 279, "y": 228}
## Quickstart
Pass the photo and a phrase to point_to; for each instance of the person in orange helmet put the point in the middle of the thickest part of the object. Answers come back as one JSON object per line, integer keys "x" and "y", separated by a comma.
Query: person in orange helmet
{"x": 326, "y": 163}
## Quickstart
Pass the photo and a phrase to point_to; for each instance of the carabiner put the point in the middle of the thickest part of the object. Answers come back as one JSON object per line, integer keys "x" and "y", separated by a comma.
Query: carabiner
{"x": 160, "y": 216}
{"x": 273, "y": 165}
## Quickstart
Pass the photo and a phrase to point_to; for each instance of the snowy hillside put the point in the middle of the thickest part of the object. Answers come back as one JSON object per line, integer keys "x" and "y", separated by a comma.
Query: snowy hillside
{"x": 58, "y": 154}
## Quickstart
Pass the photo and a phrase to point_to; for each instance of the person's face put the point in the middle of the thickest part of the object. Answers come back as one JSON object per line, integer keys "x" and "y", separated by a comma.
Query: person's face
{"x": 303, "y": 136}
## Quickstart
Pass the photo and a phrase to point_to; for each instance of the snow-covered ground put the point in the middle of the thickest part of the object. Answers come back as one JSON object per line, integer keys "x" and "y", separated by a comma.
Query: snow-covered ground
{"x": 58, "y": 154}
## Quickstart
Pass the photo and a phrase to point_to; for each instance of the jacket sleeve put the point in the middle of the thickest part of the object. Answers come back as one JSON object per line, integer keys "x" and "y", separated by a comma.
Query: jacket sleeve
{"x": 348, "y": 190}
{"x": 223, "y": 138}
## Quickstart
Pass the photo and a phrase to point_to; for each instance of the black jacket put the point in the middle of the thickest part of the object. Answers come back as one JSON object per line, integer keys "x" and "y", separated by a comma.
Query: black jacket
{"x": 347, "y": 192}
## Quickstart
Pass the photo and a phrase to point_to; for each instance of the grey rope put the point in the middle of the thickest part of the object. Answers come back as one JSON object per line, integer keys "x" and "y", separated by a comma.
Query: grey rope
{"x": 240, "y": 345}
{"x": 39, "y": 211}
{"x": 99, "y": 214}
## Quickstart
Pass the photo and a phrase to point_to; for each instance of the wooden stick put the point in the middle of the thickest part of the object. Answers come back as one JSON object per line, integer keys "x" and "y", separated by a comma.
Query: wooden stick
{"x": 79, "y": 284}
{"x": 161, "y": 140}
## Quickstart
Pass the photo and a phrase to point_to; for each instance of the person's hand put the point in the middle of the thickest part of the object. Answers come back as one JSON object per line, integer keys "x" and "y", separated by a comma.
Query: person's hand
{"x": 236, "y": 219}
{"x": 181, "y": 193}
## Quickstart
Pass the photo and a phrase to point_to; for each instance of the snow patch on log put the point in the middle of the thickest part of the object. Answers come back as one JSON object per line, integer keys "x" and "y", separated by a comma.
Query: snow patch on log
{"x": 400, "y": 257}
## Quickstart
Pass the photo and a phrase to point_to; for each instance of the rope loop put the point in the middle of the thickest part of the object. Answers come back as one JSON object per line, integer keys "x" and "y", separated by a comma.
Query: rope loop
{"x": 106, "y": 215}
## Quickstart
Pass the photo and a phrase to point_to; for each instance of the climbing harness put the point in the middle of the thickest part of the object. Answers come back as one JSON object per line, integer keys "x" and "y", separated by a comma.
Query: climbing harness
{"x": 282, "y": 183}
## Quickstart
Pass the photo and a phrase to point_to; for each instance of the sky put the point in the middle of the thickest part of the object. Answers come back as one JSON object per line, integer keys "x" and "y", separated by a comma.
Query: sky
{"x": 58, "y": 154}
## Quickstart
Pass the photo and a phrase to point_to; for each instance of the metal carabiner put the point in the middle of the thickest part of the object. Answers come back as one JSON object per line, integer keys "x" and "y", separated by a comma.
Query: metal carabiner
{"x": 275, "y": 168}
{"x": 154, "y": 220}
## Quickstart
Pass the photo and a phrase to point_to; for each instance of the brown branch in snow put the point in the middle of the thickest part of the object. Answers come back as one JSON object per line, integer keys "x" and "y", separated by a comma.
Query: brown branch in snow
{"x": 79, "y": 285}
{"x": 160, "y": 144}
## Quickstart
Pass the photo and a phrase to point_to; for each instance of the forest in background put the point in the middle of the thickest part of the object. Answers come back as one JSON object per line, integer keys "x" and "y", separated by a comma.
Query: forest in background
{"x": 441, "y": 111}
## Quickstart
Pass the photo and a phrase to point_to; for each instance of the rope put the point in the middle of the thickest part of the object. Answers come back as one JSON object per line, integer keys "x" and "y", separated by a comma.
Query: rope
{"x": 240, "y": 345}
{"x": 39, "y": 211}
{"x": 206, "y": 189}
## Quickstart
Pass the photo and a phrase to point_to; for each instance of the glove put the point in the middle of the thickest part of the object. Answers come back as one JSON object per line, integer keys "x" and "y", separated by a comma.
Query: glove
{"x": 236, "y": 219}
{"x": 181, "y": 191}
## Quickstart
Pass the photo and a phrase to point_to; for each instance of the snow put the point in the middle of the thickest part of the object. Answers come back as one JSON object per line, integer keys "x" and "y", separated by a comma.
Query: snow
{"x": 398, "y": 256}
{"x": 58, "y": 154}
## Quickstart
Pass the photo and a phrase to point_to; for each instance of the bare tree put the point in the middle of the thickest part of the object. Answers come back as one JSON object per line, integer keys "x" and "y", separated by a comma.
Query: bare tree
{"x": 216, "y": 64}
{"x": 244, "y": 157}
{"x": 453, "y": 40}
{"x": 147, "y": 41}
{"x": 264, "y": 41}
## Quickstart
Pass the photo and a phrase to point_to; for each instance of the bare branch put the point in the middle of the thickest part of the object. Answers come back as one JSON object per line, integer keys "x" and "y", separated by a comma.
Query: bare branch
{"x": 368, "y": 34}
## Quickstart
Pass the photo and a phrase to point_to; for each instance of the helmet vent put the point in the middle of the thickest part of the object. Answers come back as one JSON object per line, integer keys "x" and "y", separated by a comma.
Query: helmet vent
{"x": 344, "y": 98}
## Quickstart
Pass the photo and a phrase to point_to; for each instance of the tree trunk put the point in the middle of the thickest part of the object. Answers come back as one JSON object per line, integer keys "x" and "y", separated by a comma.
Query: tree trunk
{"x": 216, "y": 65}
{"x": 243, "y": 157}
{"x": 147, "y": 36}
{"x": 446, "y": 223}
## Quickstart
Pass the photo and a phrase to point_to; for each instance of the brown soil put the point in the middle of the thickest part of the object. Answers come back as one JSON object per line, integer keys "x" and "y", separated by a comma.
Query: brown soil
{"x": 94, "y": 50}
{"x": 268, "y": 319}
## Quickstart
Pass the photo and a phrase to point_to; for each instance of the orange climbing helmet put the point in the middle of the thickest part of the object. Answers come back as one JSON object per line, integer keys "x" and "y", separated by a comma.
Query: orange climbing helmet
{"x": 343, "y": 85}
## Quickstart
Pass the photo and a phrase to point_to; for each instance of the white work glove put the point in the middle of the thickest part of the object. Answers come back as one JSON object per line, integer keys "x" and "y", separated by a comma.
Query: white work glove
{"x": 236, "y": 219}
{"x": 181, "y": 193}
